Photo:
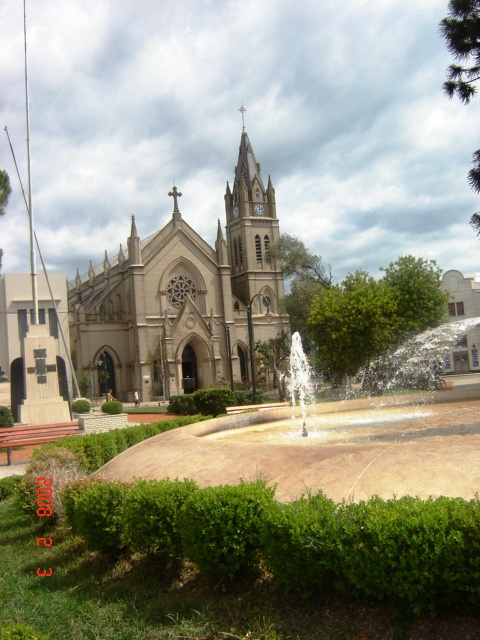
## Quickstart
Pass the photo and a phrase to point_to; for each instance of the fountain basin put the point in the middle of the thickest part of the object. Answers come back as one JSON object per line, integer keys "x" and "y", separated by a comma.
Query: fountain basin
{"x": 433, "y": 453}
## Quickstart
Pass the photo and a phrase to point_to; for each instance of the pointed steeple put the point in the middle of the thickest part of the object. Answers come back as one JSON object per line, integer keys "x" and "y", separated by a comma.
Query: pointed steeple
{"x": 91, "y": 273}
{"x": 78, "y": 280}
{"x": 121, "y": 256}
{"x": 221, "y": 245}
{"x": 247, "y": 165}
{"x": 106, "y": 264}
{"x": 133, "y": 242}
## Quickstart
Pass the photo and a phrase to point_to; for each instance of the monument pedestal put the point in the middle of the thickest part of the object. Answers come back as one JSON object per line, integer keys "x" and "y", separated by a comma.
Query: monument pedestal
{"x": 43, "y": 403}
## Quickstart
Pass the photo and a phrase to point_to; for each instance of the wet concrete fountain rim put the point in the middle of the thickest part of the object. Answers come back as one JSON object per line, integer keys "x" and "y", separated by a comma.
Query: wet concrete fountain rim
{"x": 295, "y": 468}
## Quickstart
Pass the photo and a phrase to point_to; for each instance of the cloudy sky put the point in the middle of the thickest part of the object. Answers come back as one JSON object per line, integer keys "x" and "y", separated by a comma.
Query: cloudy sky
{"x": 344, "y": 104}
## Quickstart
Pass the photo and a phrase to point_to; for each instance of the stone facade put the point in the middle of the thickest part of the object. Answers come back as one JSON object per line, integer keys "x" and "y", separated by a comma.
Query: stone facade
{"x": 158, "y": 317}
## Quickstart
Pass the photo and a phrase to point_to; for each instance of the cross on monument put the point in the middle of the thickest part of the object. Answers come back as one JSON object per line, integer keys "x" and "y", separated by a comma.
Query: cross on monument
{"x": 176, "y": 194}
{"x": 242, "y": 111}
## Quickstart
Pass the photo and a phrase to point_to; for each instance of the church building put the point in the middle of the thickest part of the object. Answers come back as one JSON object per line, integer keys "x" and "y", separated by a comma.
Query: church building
{"x": 169, "y": 314}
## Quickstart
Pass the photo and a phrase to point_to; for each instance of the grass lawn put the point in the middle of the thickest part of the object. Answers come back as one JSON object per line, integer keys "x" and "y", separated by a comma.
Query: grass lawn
{"x": 147, "y": 409}
{"x": 93, "y": 597}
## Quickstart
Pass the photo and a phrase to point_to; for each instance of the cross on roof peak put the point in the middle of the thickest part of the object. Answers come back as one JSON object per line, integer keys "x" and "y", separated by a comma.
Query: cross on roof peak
{"x": 175, "y": 194}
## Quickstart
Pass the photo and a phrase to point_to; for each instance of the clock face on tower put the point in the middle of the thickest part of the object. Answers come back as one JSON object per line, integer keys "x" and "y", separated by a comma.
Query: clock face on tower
{"x": 235, "y": 212}
{"x": 259, "y": 209}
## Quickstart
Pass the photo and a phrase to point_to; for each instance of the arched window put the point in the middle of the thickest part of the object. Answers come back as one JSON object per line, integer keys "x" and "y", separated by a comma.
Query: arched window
{"x": 266, "y": 244}
{"x": 258, "y": 248}
{"x": 240, "y": 251}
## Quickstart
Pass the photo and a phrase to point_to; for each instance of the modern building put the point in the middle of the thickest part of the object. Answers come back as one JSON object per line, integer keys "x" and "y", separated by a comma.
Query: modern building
{"x": 168, "y": 315}
{"x": 464, "y": 304}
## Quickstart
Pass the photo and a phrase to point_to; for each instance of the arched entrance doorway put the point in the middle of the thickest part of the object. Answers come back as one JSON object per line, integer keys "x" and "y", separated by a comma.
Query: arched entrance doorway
{"x": 106, "y": 374}
{"x": 189, "y": 370}
{"x": 243, "y": 364}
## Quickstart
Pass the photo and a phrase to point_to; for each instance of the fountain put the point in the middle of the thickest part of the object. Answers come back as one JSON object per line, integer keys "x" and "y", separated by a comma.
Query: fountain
{"x": 421, "y": 444}
{"x": 300, "y": 385}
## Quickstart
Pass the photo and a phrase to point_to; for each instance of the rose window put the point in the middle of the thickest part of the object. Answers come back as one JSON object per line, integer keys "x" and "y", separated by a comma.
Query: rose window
{"x": 179, "y": 288}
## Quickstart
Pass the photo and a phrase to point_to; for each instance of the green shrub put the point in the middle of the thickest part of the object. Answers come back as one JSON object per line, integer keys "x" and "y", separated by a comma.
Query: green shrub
{"x": 8, "y": 486}
{"x": 220, "y": 527}
{"x": 412, "y": 551}
{"x": 95, "y": 449}
{"x": 299, "y": 543}
{"x": 6, "y": 417}
{"x": 69, "y": 495}
{"x": 81, "y": 406}
{"x": 213, "y": 401}
{"x": 20, "y": 632}
{"x": 149, "y": 517}
{"x": 112, "y": 407}
{"x": 62, "y": 466}
{"x": 245, "y": 397}
{"x": 183, "y": 405}
{"x": 94, "y": 513}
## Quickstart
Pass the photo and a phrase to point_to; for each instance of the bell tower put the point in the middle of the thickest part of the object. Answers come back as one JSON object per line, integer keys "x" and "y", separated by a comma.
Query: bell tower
{"x": 252, "y": 225}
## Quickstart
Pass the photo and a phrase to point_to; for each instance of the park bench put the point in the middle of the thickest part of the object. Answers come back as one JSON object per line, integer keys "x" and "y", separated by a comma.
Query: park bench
{"x": 257, "y": 407}
{"x": 11, "y": 437}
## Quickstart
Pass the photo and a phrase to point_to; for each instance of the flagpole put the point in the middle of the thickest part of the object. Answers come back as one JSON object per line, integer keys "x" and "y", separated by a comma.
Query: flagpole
{"x": 33, "y": 258}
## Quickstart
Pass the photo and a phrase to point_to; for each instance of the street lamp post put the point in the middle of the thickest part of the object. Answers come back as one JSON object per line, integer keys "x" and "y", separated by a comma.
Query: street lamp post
{"x": 103, "y": 363}
{"x": 250, "y": 340}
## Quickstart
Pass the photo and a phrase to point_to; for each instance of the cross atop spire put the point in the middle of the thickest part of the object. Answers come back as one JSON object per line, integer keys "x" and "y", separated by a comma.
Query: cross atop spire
{"x": 242, "y": 111}
{"x": 175, "y": 194}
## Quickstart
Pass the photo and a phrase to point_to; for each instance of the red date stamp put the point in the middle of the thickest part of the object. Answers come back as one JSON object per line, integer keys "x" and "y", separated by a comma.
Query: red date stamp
{"x": 44, "y": 510}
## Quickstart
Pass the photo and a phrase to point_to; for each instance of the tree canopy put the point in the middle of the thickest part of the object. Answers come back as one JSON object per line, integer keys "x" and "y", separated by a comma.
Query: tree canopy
{"x": 461, "y": 32}
{"x": 298, "y": 262}
{"x": 361, "y": 318}
{"x": 5, "y": 191}
{"x": 307, "y": 275}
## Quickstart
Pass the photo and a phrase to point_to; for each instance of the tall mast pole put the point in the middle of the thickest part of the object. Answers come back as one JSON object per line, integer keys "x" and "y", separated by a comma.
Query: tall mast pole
{"x": 33, "y": 258}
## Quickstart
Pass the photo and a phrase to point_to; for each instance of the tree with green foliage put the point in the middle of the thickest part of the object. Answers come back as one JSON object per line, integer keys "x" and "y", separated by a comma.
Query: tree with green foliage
{"x": 352, "y": 323}
{"x": 5, "y": 191}
{"x": 362, "y": 318}
{"x": 307, "y": 275}
{"x": 277, "y": 351}
{"x": 419, "y": 300}
{"x": 461, "y": 32}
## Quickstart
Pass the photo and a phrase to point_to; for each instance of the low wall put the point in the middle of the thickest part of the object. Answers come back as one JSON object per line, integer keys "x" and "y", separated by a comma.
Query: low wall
{"x": 257, "y": 417}
{"x": 101, "y": 422}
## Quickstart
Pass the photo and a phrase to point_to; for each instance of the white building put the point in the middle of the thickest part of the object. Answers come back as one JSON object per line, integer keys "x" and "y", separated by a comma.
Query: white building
{"x": 464, "y": 303}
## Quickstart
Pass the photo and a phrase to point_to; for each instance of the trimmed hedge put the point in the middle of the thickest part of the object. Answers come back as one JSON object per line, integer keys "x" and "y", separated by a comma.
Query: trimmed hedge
{"x": 299, "y": 544}
{"x": 149, "y": 517}
{"x": 419, "y": 552}
{"x": 220, "y": 527}
{"x": 96, "y": 449}
{"x": 6, "y": 417}
{"x": 183, "y": 405}
{"x": 422, "y": 555}
{"x": 93, "y": 511}
{"x": 212, "y": 401}
{"x": 112, "y": 407}
{"x": 81, "y": 406}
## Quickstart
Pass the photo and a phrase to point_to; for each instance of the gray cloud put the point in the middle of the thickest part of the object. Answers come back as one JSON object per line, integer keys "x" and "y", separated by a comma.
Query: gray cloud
{"x": 344, "y": 110}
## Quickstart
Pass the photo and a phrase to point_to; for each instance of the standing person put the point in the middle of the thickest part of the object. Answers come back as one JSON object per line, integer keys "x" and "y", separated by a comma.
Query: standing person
{"x": 136, "y": 398}
{"x": 110, "y": 395}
